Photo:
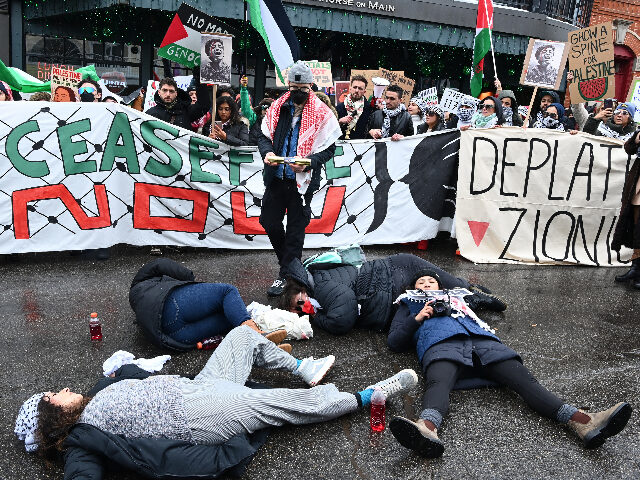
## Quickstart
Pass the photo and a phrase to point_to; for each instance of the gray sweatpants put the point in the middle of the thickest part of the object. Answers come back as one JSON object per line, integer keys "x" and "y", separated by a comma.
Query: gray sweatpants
{"x": 219, "y": 406}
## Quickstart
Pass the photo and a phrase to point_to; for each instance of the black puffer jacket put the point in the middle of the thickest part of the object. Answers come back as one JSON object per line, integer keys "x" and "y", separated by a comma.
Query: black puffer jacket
{"x": 149, "y": 289}
{"x": 182, "y": 113}
{"x": 374, "y": 287}
{"x": 89, "y": 450}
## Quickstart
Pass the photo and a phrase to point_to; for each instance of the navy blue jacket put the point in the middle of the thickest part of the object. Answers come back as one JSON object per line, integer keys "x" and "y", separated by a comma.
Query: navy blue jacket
{"x": 265, "y": 145}
{"x": 89, "y": 450}
{"x": 405, "y": 332}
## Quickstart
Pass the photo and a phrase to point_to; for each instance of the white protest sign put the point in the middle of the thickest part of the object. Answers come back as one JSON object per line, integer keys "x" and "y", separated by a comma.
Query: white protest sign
{"x": 430, "y": 95}
{"x": 452, "y": 98}
{"x": 539, "y": 196}
{"x": 322, "y": 75}
{"x": 152, "y": 87}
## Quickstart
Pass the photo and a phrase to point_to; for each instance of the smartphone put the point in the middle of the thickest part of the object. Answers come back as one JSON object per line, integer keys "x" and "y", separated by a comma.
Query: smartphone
{"x": 608, "y": 103}
{"x": 219, "y": 123}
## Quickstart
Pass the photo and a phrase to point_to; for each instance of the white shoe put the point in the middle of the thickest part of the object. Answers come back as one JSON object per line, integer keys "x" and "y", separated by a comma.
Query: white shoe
{"x": 401, "y": 382}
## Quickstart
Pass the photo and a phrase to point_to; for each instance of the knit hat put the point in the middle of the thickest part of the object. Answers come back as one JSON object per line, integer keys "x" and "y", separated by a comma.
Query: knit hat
{"x": 629, "y": 107}
{"x": 424, "y": 273}
{"x": 27, "y": 422}
{"x": 6, "y": 89}
{"x": 437, "y": 109}
{"x": 468, "y": 102}
{"x": 560, "y": 109}
{"x": 300, "y": 73}
{"x": 421, "y": 104}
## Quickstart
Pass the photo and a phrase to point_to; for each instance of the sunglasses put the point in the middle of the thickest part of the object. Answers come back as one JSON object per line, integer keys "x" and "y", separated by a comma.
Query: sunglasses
{"x": 82, "y": 90}
{"x": 431, "y": 114}
{"x": 302, "y": 89}
{"x": 486, "y": 107}
{"x": 265, "y": 107}
{"x": 621, "y": 112}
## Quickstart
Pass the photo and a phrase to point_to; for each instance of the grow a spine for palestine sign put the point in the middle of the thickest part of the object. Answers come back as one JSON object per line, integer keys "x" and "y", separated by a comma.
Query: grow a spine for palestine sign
{"x": 591, "y": 62}
{"x": 181, "y": 43}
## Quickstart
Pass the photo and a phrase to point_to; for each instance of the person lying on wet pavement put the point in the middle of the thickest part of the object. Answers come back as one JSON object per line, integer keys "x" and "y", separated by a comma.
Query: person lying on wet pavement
{"x": 351, "y": 297}
{"x": 166, "y": 425}
{"x": 459, "y": 350}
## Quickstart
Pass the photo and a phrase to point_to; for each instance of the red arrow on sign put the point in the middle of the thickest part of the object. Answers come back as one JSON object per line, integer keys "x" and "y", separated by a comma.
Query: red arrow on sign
{"x": 478, "y": 230}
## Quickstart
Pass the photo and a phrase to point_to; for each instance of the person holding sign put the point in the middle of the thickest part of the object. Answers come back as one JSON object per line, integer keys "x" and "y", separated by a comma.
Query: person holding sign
{"x": 298, "y": 137}
{"x": 392, "y": 121}
{"x": 457, "y": 348}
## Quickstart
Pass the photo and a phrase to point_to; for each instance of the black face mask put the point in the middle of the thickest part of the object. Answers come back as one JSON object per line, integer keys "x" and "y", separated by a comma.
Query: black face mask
{"x": 87, "y": 97}
{"x": 299, "y": 97}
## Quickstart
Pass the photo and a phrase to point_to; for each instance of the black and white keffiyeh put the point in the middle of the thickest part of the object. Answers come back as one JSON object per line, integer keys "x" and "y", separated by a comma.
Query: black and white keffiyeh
{"x": 388, "y": 115}
{"x": 27, "y": 422}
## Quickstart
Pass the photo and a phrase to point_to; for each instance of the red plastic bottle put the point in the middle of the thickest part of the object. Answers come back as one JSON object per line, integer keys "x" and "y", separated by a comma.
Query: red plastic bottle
{"x": 210, "y": 343}
{"x": 95, "y": 328}
{"x": 378, "y": 404}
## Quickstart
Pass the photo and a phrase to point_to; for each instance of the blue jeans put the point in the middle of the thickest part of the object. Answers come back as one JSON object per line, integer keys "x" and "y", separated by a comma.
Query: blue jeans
{"x": 197, "y": 311}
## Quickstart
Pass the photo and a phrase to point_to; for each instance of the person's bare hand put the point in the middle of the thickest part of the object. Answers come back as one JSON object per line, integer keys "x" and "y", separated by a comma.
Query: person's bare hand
{"x": 604, "y": 114}
{"x": 267, "y": 157}
{"x": 345, "y": 119}
{"x": 569, "y": 76}
{"x": 219, "y": 133}
{"x": 396, "y": 136}
{"x": 465, "y": 127}
{"x": 425, "y": 314}
{"x": 573, "y": 132}
{"x": 244, "y": 81}
{"x": 638, "y": 138}
{"x": 297, "y": 168}
{"x": 498, "y": 85}
{"x": 375, "y": 133}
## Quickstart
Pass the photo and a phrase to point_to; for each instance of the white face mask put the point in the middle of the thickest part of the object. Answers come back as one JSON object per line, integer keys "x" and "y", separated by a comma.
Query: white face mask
{"x": 465, "y": 114}
{"x": 550, "y": 122}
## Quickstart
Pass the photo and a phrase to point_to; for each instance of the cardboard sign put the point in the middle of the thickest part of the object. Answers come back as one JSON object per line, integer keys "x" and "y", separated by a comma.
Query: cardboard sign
{"x": 369, "y": 74}
{"x": 342, "y": 90}
{"x": 64, "y": 85}
{"x": 398, "y": 78}
{"x": 452, "y": 98}
{"x": 181, "y": 43}
{"x": 322, "y": 75}
{"x": 215, "y": 58}
{"x": 544, "y": 64}
{"x": 591, "y": 61}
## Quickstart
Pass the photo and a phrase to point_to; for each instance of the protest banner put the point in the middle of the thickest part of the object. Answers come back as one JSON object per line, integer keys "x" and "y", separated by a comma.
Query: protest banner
{"x": 94, "y": 175}
{"x": 430, "y": 95}
{"x": 544, "y": 64}
{"x": 181, "y": 43}
{"x": 64, "y": 85}
{"x": 539, "y": 196}
{"x": 322, "y": 75}
{"x": 215, "y": 58}
{"x": 591, "y": 62}
{"x": 634, "y": 96}
{"x": 183, "y": 82}
{"x": 452, "y": 98}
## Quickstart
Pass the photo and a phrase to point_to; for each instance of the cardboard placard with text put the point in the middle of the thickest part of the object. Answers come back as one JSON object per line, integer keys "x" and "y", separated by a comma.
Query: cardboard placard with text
{"x": 403, "y": 82}
{"x": 369, "y": 74}
{"x": 322, "y": 75}
{"x": 452, "y": 98}
{"x": 64, "y": 85}
{"x": 591, "y": 62}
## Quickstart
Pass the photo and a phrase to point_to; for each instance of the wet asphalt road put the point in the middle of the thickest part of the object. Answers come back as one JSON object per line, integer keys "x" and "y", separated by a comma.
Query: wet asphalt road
{"x": 576, "y": 329}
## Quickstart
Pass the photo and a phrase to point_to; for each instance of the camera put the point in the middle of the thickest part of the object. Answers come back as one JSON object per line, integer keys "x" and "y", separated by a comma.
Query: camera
{"x": 441, "y": 308}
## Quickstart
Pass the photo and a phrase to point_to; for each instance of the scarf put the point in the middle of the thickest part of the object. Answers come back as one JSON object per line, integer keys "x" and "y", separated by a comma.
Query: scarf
{"x": 417, "y": 121}
{"x": 548, "y": 122}
{"x": 480, "y": 121}
{"x": 354, "y": 109}
{"x": 507, "y": 113}
{"x": 198, "y": 124}
{"x": 319, "y": 129}
{"x": 388, "y": 114}
{"x": 611, "y": 130}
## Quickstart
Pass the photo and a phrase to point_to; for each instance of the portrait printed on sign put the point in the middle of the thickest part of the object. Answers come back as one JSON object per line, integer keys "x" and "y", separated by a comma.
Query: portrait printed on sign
{"x": 215, "y": 58}
{"x": 544, "y": 63}
{"x": 64, "y": 85}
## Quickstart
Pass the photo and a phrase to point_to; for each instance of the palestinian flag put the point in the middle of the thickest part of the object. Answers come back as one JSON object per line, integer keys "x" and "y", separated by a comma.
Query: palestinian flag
{"x": 23, "y": 82}
{"x": 272, "y": 23}
{"x": 181, "y": 43}
{"x": 481, "y": 44}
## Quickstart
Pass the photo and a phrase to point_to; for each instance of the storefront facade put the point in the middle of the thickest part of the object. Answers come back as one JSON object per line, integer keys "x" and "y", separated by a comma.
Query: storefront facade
{"x": 431, "y": 41}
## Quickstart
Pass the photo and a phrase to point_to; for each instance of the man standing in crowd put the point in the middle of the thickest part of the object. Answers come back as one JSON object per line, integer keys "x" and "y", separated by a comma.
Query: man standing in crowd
{"x": 392, "y": 120}
{"x": 298, "y": 126}
{"x": 89, "y": 90}
{"x": 173, "y": 105}
{"x": 355, "y": 111}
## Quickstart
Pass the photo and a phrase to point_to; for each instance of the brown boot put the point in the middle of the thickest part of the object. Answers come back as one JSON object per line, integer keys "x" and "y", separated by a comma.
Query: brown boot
{"x": 286, "y": 347}
{"x": 602, "y": 425}
{"x": 276, "y": 336}
{"x": 417, "y": 437}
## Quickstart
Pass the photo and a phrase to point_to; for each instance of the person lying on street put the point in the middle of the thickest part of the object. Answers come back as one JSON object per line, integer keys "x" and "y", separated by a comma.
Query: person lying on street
{"x": 166, "y": 425}
{"x": 458, "y": 349}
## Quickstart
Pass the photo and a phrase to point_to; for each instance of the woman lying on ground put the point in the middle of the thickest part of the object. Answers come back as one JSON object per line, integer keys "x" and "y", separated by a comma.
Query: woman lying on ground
{"x": 455, "y": 347}
{"x": 176, "y": 312}
{"x": 363, "y": 297}
{"x": 166, "y": 425}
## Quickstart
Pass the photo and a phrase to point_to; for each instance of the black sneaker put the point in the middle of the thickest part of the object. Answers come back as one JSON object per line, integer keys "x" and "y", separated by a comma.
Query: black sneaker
{"x": 483, "y": 298}
{"x": 276, "y": 289}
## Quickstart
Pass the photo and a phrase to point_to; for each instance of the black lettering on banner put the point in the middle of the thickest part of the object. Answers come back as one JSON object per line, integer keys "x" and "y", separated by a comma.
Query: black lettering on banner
{"x": 553, "y": 173}
{"x": 609, "y": 240}
{"x": 580, "y": 226}
{"x": 537, "y": 167}
{"x": 473, "y": 165}
{"x": 506, "y": 164}
{"x": 513, "y": 232}
{"x": 569, "y": 236}
{"x": 587, "y": 174}
{"x": 535, "y": 237}
{"x": 381, "y": 193}
{"x": 606, "y": 178}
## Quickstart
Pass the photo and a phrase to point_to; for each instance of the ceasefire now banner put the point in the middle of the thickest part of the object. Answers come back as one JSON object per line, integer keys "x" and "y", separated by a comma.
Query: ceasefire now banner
{"x": 80, "y": 176}
{"x": 539, "y": 196}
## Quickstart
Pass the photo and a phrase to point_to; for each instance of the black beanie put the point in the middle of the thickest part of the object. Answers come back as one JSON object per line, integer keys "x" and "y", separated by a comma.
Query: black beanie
{"x": 424, "y": 273}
